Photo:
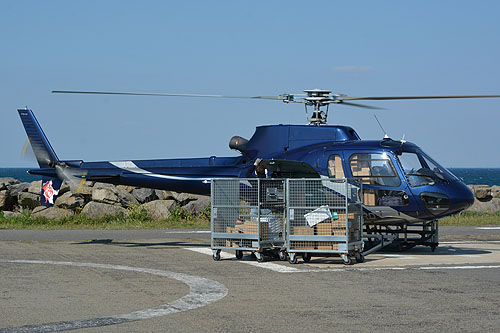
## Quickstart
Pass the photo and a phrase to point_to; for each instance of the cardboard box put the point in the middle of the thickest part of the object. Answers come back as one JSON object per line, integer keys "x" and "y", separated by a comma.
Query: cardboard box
{"x": 369, "y": 199}
{"x": 300, "y": 245}
{"x": 327, "y": 246}
{"x": 252, "y": 227}
{"x": 342, "y": 218}
{"x": 302, "y": 230}
{"x": 324, "y": 229}
{"x": 232, "y": 243}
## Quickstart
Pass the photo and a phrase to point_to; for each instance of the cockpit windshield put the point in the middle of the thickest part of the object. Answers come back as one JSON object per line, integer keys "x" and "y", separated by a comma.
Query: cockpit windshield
{"x": 421, "y": 170}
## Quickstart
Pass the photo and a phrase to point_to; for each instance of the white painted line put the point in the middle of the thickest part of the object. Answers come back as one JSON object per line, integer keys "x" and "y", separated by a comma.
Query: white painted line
{"x": 201, "y": 292}
{"x": 459, "y": 267}
{"x": 397, "y": 256}
{"x": 470, "y": 242}
{"x": 366, "y": 269}
{"x": 488, "y": 228}
{"x": 284, "y": 268}
{"x": 189, "y": 232}
{"x": 267, "y": 265}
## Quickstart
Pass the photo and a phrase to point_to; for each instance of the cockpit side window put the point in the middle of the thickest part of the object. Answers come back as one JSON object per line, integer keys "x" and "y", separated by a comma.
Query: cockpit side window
{"x": 421, "y": 170}
{"x": 374, "y": 169}
{"x": 335, "y": 168}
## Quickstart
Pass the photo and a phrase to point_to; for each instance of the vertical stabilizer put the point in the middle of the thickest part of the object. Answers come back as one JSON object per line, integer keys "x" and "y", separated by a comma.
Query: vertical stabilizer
{"x": 45, "y": 155}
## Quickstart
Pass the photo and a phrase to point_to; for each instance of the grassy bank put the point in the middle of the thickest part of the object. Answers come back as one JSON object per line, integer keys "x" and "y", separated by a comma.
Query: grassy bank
{"x": 138, "y": 219}
{"x": 472, "y": 219}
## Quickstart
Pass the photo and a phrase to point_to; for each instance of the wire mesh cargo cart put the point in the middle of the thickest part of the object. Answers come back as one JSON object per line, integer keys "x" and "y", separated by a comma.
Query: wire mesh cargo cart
{"x": 324, "y": 216}
{"x": 248, "y": 215}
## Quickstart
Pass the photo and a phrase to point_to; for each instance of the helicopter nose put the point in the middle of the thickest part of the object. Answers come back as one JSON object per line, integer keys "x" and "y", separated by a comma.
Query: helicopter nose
{"x": 462, "y": 197}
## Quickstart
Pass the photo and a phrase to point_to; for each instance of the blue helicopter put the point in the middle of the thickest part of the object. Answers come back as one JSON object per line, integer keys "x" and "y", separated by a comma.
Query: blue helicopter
{"x": 402, "y": 185}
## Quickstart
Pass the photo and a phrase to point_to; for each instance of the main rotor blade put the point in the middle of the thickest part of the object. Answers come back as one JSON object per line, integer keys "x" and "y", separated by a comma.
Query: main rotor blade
{"x": 379, "y": 98}
{"x": 361, "y": 106}
{"x": 159, "y": 94}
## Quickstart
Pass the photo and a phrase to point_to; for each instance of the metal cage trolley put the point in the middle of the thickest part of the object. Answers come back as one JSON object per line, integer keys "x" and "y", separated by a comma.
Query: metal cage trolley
{"x": 324, "y": 216}
{"x": 248, "y": 215}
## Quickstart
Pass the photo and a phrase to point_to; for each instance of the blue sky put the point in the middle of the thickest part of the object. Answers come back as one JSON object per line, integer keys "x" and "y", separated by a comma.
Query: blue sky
{"x": 361, "y": 48}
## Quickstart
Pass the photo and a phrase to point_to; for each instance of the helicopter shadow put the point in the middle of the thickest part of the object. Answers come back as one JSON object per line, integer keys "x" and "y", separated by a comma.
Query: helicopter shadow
{"x": 440, "y": 250}
{"x": 155, "y": 245}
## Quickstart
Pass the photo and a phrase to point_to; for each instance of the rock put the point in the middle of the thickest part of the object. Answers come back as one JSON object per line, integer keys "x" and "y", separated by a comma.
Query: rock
{"x": 495, "y": 191}
{"x": 97, "y": 210}
{"x": 490, "y": 206}
{"x": 164, "y": 195}
{"x": 159, "y": 209}
{"x": 64, "y": 188}
{"x": 144, "y": 194}
{"x": 195, "y": 207}
{"x": 481, "y": 191}
{"x": 127, "y": 188}
{"x": 70, "y": 201}
{"x": 14, "y": 190}
{"x": 7, "y": 213}
{"x": 126, "y": 198}
{"x": 184, "y": 198}
{"x": 51, "y": 213}
{"x": 4, "y": 200}
{"x": 35, "y": 187}
{"x": 6, "y": 182}
{"x": 84, "y": 191}
{"x": 105, "y": 195}
{"x": 28, "y": 200}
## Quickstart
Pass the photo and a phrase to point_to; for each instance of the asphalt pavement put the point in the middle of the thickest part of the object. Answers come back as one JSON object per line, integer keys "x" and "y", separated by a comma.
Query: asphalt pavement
{"x": 166, "y": 280}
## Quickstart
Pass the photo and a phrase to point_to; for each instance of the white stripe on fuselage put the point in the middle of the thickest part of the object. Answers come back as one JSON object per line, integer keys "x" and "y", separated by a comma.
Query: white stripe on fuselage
{"x": 131, "y": 167}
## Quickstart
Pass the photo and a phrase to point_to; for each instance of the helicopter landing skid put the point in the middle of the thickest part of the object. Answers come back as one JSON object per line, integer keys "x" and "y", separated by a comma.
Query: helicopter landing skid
{"x": 401, "y": 237}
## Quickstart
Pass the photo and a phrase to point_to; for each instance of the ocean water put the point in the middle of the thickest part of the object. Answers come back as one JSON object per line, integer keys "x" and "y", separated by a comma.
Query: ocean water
{"x": 471, "y": 176}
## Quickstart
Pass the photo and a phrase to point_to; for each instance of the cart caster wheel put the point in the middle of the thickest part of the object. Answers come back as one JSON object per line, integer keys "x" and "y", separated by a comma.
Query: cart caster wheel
{"x": 282, "y": 255}
{"x": 216, "y": 255}
{"x": 239, "y": 254}
{"x": 306, "y": 257}
{"x": 360, "y": 258}
{"x": 259, "y": 256}
{"x": 347, "y": 260}
{"x": 292, "y": 258}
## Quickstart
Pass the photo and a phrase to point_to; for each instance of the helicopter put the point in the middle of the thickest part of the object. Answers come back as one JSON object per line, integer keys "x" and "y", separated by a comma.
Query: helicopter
{"x": 402, "y": 185}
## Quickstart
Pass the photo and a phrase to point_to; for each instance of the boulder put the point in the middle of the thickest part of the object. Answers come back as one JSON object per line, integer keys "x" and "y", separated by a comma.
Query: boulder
{"x": 99, "y": 210}
{"x": 105, "y": 195}
{"x": 159, "y": 209}
{"x": 490, "y": 206}
{"x": 482, "y": 191}
{"x": 4, "y": 200}
{"x": 495, "y": 191}
{"x": 144, "y": 194}
{"x": 184, "y": 198}
{"x": 15, "y": 189}
{"x": 164, "y": 195}
{"x": 51, "y": 213}
{"x": 65, "y": 187}
{"x": 195, "y": 207}
{"x": 7, "y": 213}
{"x": 28, "y": 200}
{"x": 127, "y": 188}
{"x": 6, "y": 182}
{"x": 70, "y": 201}
{"x": 35, "y": 187}
{"x": 84, "y": 190}
{"x": 126, "y": 198}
